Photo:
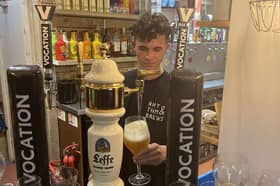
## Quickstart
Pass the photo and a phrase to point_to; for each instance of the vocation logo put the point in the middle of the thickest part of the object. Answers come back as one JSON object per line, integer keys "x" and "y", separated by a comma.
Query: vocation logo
{"x": 102, "y": 156}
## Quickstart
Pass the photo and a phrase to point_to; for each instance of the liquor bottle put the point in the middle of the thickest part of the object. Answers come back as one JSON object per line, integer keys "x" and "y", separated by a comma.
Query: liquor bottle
{"x": 59, "y": 4}
{"x": 137, "y": 7}
{"x": 96, "y": 53}
{"x": 125, "y": 6}
{"x": 123, "y": 42}
{"x": 92, "y": 5}
{"x": 60, "y": 48}
{"x": 195, "y": 36}
{"x": 132, "y": 7}
{"x": 148, "y": 6}
{"x": 65, "y": 39}
{"x": 116, "y": 46}
{"x": 106, "y": 7}
{"x": 156, "y": 6}
{"x": 53, "y": 43}
{"x": 131, "y": 44}
{"x": 99, "y": 6}
{"x": 171, "y": 3}
{"x": 164, "y": 3}
{"x": 108, "y": 40}
{"x": 87, "y": 46}
{"x": 84, "y": 5}
{"x": 76, "y": 5}
{"x": 213, "y": 34}
{"x": 73, "y": 46}
{"x": 67, "y": 4}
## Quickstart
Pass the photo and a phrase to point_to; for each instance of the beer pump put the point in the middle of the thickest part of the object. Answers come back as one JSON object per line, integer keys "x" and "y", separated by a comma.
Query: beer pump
{"x": 105, "y": 93}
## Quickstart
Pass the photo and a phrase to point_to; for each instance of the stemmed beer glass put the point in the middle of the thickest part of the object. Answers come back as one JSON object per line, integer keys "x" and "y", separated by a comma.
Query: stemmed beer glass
{"x": 136, "y": 139}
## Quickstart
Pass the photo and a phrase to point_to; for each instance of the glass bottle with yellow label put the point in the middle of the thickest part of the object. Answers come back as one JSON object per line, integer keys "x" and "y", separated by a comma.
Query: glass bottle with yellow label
{"x": 73, "y": 46}
{"x": 87, "y": 46}
{"x": 96, "y": 43}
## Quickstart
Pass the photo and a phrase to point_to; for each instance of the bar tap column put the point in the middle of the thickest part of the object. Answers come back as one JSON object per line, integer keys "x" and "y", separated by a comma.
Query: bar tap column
{"x": 104, "y": 99}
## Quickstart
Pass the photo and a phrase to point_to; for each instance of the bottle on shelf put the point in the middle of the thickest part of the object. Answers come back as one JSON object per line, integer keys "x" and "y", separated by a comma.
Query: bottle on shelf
{"x": 59, "y": 4}
{"x": 113, "y": 6}
{"x": 132, "y": 7}
{"x": 106, "y": 6}
{"x": 195, "y": 35}
{"x": 65, "y": 39}
{"x": 84, "y": 5}
{"x": 53, "y": 43}
{"x": 73, "y": 46}
{"x": 137, "y": 6}
{"x": 164, "y": 3}
{"x": 92, "y": 5}
{"x": 148, "y": 6}
{"x": 67, "y": 4}
{"x": 131, "y": 44}
{"x": 171, "y": 3}
{"x": 87, "y": 46}
{"x": 76, "y": 5}
{"x": 116, "y": 44}
{"x": 108, "y": 40}
{"x": 99, "y": 6}
{"x": 123, "y": 42}
{"x": 125, "y": 6}
{"x": 156, "y": 6}
{"x": 96, "y": 43}
{"x": 60, "y": 48}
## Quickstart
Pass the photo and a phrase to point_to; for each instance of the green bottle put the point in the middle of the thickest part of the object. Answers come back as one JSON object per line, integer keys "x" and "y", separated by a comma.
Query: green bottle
{"x": 53, "y": 43}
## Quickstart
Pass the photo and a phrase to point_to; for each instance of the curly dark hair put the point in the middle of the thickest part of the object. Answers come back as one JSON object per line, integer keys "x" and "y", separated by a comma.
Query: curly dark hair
{"x": 150, "y": 25}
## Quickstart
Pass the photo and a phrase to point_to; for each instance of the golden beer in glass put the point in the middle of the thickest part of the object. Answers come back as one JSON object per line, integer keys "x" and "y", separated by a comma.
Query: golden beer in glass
{"x": 136, "y": 139}
{"x": 136, "y": 136}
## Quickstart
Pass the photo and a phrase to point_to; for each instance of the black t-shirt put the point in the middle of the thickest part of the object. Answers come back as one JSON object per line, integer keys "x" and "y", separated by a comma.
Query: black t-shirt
{"x": 154, "y": 107}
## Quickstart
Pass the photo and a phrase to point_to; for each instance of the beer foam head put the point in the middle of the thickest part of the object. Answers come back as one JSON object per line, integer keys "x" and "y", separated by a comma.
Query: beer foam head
{"x": 136, "y": 131}
{"x": 104, "y": 71}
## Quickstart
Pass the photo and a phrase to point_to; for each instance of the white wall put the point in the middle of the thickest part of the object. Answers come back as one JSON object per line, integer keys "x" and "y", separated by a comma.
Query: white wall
{"x": 251, "y": 105}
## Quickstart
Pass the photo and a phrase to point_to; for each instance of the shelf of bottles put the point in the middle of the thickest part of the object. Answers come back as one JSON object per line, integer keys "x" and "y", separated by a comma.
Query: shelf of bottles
{"x": 119, "y": 43}
{"x": 107, "y": 9}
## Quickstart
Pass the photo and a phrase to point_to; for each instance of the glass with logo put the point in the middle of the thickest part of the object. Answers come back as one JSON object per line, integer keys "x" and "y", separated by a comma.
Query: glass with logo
{"x": 136, "y": 139}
